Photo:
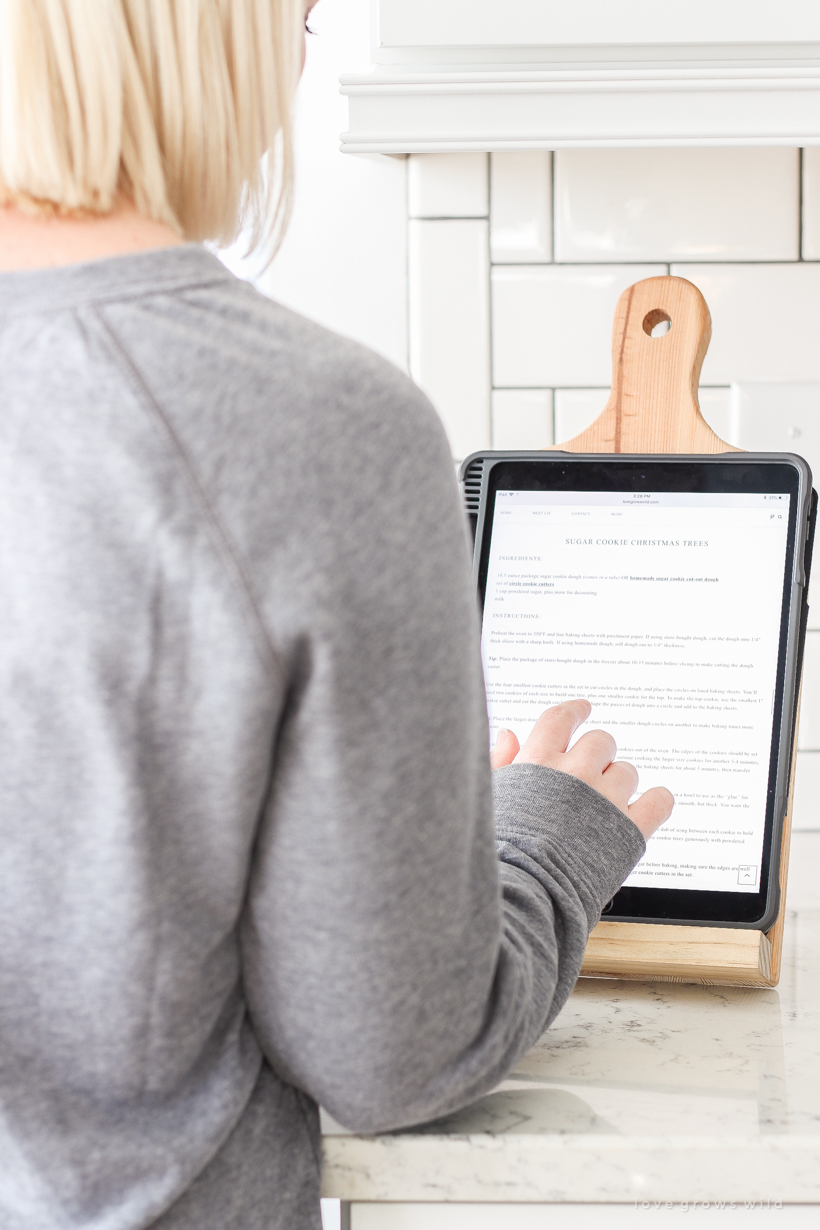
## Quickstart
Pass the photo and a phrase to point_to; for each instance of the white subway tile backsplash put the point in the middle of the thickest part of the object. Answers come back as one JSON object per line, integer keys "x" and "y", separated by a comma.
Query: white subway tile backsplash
{"x": 677, "y": 204}
{"x": 765, "y": 321}
{"x": 808, "y": 738}
{"x": 520, "y": 207}
{"x": 449, "y": 326}
{"x": 716, "y": 408}
{"x": 781, "y": 418}
{"x": 811, "y": 203}
{"x": 575, "y": 410}
{"x": 552, "y": 324}
{"x": 778, "y": 418}
{"x": 806, "y": 807}
{"x": 447, "y": 186}
{"x": 708, "y": 212}
{"x": 522, "y": 418}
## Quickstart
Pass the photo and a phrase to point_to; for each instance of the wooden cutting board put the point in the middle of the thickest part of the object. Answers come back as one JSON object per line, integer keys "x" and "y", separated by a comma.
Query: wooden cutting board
{"x": 661, "y": 333}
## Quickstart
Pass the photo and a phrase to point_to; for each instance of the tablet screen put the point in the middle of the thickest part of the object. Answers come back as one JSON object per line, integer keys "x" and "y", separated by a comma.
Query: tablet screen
{"x": 665, "y": 609}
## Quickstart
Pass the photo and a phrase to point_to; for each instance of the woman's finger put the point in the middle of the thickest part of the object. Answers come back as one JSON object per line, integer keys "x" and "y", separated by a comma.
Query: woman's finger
{"x": 651, "y": 809}
{"x": 553, "y": 731}
{"x": 622, "y": 778}
{"x": 592, "y": 754}
{"x": 504, "y": 750}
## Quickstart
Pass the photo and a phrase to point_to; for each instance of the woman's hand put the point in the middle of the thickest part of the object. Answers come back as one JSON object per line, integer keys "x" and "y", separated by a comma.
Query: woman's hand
{"x": 591, "y": 759}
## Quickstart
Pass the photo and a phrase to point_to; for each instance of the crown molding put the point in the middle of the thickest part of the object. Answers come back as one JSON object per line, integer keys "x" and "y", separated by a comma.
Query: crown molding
{"x": 464, "y": 108}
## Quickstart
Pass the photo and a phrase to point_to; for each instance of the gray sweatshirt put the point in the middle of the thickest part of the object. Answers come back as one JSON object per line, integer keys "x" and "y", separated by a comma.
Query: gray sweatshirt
{"x": 249, "y": 860}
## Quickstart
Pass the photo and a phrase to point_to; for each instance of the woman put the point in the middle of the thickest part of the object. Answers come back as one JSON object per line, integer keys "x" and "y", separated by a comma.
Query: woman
{"x": 247, "y": 846}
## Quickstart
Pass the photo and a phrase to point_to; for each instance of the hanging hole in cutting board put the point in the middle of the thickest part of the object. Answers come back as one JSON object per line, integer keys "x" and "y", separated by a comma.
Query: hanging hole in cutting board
{"x": 657, "y": 322}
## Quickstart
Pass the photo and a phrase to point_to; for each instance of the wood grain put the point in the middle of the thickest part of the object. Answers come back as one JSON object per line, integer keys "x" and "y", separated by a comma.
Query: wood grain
{"x": 684, "y": 954}
{"x": 653, "y": 408}
{"x": 776, "y": 933}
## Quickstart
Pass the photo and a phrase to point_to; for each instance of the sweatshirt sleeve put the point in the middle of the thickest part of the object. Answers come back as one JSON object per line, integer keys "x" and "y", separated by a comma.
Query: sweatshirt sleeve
{"x": 564, "y": 851}
{"x": 407, "y": 937}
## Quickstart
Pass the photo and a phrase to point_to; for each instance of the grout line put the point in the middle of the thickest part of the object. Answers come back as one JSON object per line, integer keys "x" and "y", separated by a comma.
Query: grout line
{"x": 552, "y": 260}
{"x": 407, "y": 255}
{"x": 490, "y": 303}
{"x": 489, "y": 192}
{"x": 800, "y": 256}
{"x": 630, "y": 264}
{"x": 590, "y": 388}
{"x": 797, "y": 260}
{"x": 448, "y": 217}
{"x": 490, "y": 294}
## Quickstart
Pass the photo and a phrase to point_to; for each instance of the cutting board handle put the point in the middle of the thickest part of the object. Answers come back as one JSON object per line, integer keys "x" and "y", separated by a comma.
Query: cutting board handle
{"x": 659, "y": 340}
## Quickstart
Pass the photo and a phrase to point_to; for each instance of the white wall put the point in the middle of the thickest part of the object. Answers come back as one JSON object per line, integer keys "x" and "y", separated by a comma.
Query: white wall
{"x": 344, "y": 259}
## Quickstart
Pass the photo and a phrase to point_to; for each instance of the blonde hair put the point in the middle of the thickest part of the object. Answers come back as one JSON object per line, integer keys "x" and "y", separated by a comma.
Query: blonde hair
{"x": 170, "y": 103}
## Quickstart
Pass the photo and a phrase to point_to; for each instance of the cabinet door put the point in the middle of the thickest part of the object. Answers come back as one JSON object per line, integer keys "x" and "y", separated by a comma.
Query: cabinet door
{"x": 587, "y": 23}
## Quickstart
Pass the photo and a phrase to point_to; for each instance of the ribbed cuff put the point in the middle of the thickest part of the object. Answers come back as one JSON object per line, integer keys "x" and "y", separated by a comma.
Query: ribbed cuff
{"x": 551, "y": 815}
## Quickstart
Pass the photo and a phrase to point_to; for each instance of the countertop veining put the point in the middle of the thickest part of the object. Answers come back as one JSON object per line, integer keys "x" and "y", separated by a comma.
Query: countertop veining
{"x": 655, "y": 1091}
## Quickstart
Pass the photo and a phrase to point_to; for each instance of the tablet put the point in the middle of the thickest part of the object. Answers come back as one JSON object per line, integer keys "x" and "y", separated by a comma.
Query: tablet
{"x": 671, "y": 593}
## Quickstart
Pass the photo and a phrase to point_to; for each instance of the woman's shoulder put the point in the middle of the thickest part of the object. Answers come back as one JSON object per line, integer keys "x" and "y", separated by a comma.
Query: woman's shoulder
{"x": 320, "y": 369}
{"x": 271, "y": 408}
{"x": 210, "y": 341}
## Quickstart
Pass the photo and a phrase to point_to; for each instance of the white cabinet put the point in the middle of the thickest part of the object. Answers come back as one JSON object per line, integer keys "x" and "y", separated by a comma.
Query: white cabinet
{"x": 754, "y": 24}
{"x": 546, "y": 74}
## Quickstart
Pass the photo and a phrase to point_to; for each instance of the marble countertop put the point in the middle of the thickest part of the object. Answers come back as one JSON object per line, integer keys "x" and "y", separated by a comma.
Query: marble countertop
{"x": 639, "y": 1091}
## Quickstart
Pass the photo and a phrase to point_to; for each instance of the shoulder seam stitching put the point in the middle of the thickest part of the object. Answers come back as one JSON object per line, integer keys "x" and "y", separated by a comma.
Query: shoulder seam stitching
{"x": 118, "y": 295}
{"x": 219, "y": 537}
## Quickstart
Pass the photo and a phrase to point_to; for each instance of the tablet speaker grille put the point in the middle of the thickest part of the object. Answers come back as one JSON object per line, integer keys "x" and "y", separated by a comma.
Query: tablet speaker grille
{"x": 472, "y": 486}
